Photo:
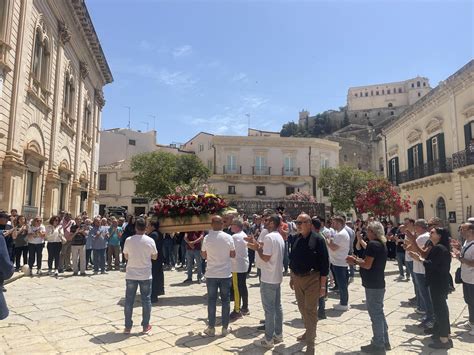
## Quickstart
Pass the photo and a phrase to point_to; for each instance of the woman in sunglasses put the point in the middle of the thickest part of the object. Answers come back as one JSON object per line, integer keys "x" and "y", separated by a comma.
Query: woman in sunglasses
{"x": 36, "y": 235}
{"x": 437, "y": 264}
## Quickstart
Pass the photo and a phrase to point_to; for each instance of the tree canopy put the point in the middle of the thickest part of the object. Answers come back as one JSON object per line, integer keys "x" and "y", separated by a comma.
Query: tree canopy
{"x": 159, "y": 173}
{"x": 343, "y": 184}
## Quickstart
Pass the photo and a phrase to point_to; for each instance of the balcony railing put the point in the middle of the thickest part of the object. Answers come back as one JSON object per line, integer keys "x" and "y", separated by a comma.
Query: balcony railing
{"x": 463, "y": 158}
{"x": 425, "y": 170}
{"x": 290, "y": 171}
{"x": 261, "y": 170}
{"x": 232, "y": 169}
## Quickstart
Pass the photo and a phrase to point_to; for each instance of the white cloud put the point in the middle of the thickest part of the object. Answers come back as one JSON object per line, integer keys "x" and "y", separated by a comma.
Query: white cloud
{"x": 176, "y": 79}
{"x": 254, "y": 102}
{"x": 182, "y": 51}
{"x": 239, "y": 77}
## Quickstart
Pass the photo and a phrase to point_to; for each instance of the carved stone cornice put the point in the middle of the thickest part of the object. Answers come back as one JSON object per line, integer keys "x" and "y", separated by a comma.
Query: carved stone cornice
{"x": 435, "y": 124}
{"x": 393, "y": 150}
{"x": 83, "y": 69}
{"x": 64, "y": 33}
{"x": 414, "y": 136}
{"x": 99, "y": 98}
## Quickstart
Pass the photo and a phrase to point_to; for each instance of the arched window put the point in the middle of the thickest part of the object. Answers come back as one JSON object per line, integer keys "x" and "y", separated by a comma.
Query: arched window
{"x": 69, "y": 91}
{"x": 418, "y": 84}
{"x": 41, "y": 57}
{"x": 420, "y": 210}
{"x": 441, "y": 209}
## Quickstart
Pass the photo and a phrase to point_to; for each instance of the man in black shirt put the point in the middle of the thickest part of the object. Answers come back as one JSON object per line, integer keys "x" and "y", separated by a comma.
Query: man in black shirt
{"x": 309, "y": 264}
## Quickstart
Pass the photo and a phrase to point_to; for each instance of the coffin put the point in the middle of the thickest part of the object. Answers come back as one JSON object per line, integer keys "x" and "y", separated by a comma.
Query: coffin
{"x": 185, "y": 224}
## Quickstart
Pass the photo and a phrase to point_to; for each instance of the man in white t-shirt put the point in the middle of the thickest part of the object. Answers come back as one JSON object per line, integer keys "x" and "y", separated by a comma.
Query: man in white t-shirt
{"x": 338, "y": 247}
{"x": 218, "y": 249}
{"x": 139, "y": 250}
{"x": 270, "y": 250}
{"x": 422, "y": 241}
{"x": 240, "y": 265}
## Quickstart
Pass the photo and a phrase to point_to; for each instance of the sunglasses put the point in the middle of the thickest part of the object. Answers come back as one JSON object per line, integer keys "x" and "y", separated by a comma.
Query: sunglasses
{"x": 299, "y": 223}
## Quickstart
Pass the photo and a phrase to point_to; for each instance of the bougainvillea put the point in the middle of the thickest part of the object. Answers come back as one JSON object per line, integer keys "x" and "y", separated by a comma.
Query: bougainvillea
{"x": 380, "y": 198}
{"x": 189, "y": 205}
{"x": 301, "y": 196}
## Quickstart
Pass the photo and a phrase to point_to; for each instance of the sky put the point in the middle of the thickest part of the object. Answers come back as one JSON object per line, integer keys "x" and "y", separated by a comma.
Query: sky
{"x": 186, "y": 66}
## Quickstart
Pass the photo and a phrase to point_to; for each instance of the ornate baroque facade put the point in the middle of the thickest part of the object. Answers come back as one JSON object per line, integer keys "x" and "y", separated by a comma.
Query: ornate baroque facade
{"x": 430, "y": 150}
{"x": 52, "y": 71}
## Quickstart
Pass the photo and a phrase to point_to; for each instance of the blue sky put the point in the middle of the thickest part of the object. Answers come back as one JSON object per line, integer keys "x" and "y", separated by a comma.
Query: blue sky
{"x": 210, "y": 65}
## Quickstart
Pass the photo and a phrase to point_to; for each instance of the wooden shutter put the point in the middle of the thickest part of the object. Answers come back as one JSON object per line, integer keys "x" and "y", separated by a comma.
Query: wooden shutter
{"x": 420, "y": 154}
{"x": 467, "y": 134}
{"x": 441, "y": 148}
{"x": 429, "y": 150}
{"x": 410, "y": 158}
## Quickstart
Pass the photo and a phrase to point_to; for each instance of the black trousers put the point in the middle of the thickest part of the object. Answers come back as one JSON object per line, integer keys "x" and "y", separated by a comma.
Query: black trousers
{"x": 251, "y": 259}
{"x": 19, "y": 251}
{"x": 54, "y": 250}
{"x": 239, "y": 283}
{"x": 468, "y": 291}
{"x": 35, "y": 251}
{"x": 158, "y": 281}
{"x": 441, "y": 312}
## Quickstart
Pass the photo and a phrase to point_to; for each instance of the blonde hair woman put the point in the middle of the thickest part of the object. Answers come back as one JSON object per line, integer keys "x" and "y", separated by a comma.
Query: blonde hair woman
{"x": 372, "y": 272}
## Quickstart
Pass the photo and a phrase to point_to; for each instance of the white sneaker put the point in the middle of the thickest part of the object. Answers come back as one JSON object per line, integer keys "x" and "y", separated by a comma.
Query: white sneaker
{"x": 264, "y": 343}
{"x": 226, "y": 331}
{"x": 277, "y": 339}
{"x": 340, "y": 307}
{"x": 467, "y": 325}
{"x": 209, "y": 332}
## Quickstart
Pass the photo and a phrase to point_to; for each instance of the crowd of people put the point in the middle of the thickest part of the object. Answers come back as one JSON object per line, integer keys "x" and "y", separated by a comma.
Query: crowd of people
{"x": 318, "y": 255}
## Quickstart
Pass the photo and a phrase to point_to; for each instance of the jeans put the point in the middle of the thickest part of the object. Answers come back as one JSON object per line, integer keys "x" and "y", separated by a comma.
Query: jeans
{"x": 425, "y": 297}
{"x": 251, "y": 254}
{"x": 409, "y": 265}
{"x": 78, "y": 253}
{"x": 3, "y": 306}
{"x": 89, "y": 257}
{"x": 374, "y": 302}
{"x": 271, "y": 302}
{"x": 441, "y": 325}
{"x": 168, "y": 253}
{"x": 468, "y": 291}
{"x": 54, "y": 249}
{"x": 192, "y": 255}
{"x": 99, "y": 259}
{"x": 19, "y": 251}
{"x": 286, "y": 257}
{"x": 130, "y": 293}
{"x": 224, "y": 287}
{"x": 340, "y": 274}
{"x": 401, "y": 263}
{"x": 35, "y": 251}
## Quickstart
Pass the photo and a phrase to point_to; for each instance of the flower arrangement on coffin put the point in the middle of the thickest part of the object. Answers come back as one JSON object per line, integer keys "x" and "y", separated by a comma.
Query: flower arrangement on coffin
{"x": 185, "y": 213}
{"x": 380, "y": 198}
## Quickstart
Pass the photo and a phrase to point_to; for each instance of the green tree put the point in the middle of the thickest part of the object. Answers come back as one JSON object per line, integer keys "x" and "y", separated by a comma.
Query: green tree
{"x": 343, "y": 183}
{"x": 289, "y": 129}
{"x": 159, "y": 173}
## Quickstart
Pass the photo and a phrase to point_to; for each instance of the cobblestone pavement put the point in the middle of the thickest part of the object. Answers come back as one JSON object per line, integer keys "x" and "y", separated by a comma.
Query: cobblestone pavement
{"x": 85, "y": 315}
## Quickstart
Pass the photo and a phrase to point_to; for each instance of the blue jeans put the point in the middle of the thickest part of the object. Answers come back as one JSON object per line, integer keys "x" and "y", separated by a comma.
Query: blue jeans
{"x": 3, "y": 306}
{"x": 401, "y": 263}
{"x": 271, "y": 301}
{"x": 192, "y": 255}
{"x": 99, "y": 259}
{"x": 374, "y": 302}
{"x": 130, "y": 293}
{"x": 224, "y": 287}
{"x": 340, "y": 274}
{"x": 425, "y": 297}
{"x": 409, "y": 265}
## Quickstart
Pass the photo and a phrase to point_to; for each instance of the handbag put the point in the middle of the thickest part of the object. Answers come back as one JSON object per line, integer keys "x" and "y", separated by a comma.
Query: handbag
{"x": 457, "y": 275}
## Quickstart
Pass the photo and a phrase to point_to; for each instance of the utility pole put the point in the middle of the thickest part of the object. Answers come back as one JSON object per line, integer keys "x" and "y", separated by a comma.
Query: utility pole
{"x": 154, "y": 123}
{"x": 129, "y": 109}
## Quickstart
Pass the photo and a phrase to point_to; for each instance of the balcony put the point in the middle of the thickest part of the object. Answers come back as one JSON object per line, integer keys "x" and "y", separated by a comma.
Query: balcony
{"x": 232, "y": 169}
{"x": 261, "y": 170}
{"x": 463, "y": 158}
{"x": 428, "y": 169}
{"x": 290, "y": 171}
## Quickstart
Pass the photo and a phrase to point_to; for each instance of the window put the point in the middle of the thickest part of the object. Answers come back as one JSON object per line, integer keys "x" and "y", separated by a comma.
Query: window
{"x": 399, "y": 90}
{"x": 424, "y": 84}
{"x": 361, "y": 94}
{"x": 325, "y": 192}
{"x": 416, "y": 152}
{"x": 378, "y": 113}
{"x": 420, "y": 210}
{"x": 390, "y": 104}
{"x": 132, "y": 142}
{"x": 345, "y": 157}
{"x": 30, "y": 188}
{"x": 377, "y": 92}
{"x": 87, "y": 119}
{"x": 290, "y": 190}
{"x": 388, "y": 91}
{"x": 201, "y": 147}
{"x": 260, "y": 191}
{"x": 102, "y": 182}
{"x": 231, "y": 163}
{"x": 371, "y": 93}
{"x": 209, "y": 164}
{"x": 393, "y": 170}
{"x": 412, "y": 85}
{"x": 356, "y": 95}
{"x": 62, "y": 196}
{"x": 69, "y": 90}
{"x": 366, "y": 94}
{"x": 209, "y": 145}
{"x": 441, "y": 209}
{"x": 355, "y": 115}
{"x": 365, "y": 114}
{"x": 41, "y": 58}
{"x": 469, "y": 134}
{"x": 289, "y": 165}
{"x": 418, "y": 84}
{"x": 434, "y": 148}
{"x": 383, "y": 92}
{"x": 231, "y": 190}
{"x": 392, "y": 113}
{"x": 324, "y": 163}
{"x": 419, "y": 94}
{"x": 260, "y": 165}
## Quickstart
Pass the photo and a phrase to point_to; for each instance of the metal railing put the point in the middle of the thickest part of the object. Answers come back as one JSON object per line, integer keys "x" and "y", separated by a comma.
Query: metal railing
{"x": 425, "y": 170}
{"x": 261, "y": 170}
{"x": 463, "y": 158}
{"x": 232, "y": 169}
{"x": 290, "y": 171}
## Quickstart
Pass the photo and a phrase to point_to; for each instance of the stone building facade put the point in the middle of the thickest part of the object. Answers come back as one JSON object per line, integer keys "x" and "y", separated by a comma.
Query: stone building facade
{"x": 264, "y": 167}
{"x": 430, "y": 151}
{"x": 52, "y": 71}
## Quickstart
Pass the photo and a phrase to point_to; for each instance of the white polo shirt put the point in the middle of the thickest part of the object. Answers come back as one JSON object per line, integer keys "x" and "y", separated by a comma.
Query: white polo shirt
{"x": 218, "y": 245}
{"x": 338, "y": 256}
{"x": 272, "y": 270}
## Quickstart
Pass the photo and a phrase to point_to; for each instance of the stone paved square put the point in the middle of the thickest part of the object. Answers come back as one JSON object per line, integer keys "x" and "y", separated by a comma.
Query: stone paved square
{"x": 85, "y": 315}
